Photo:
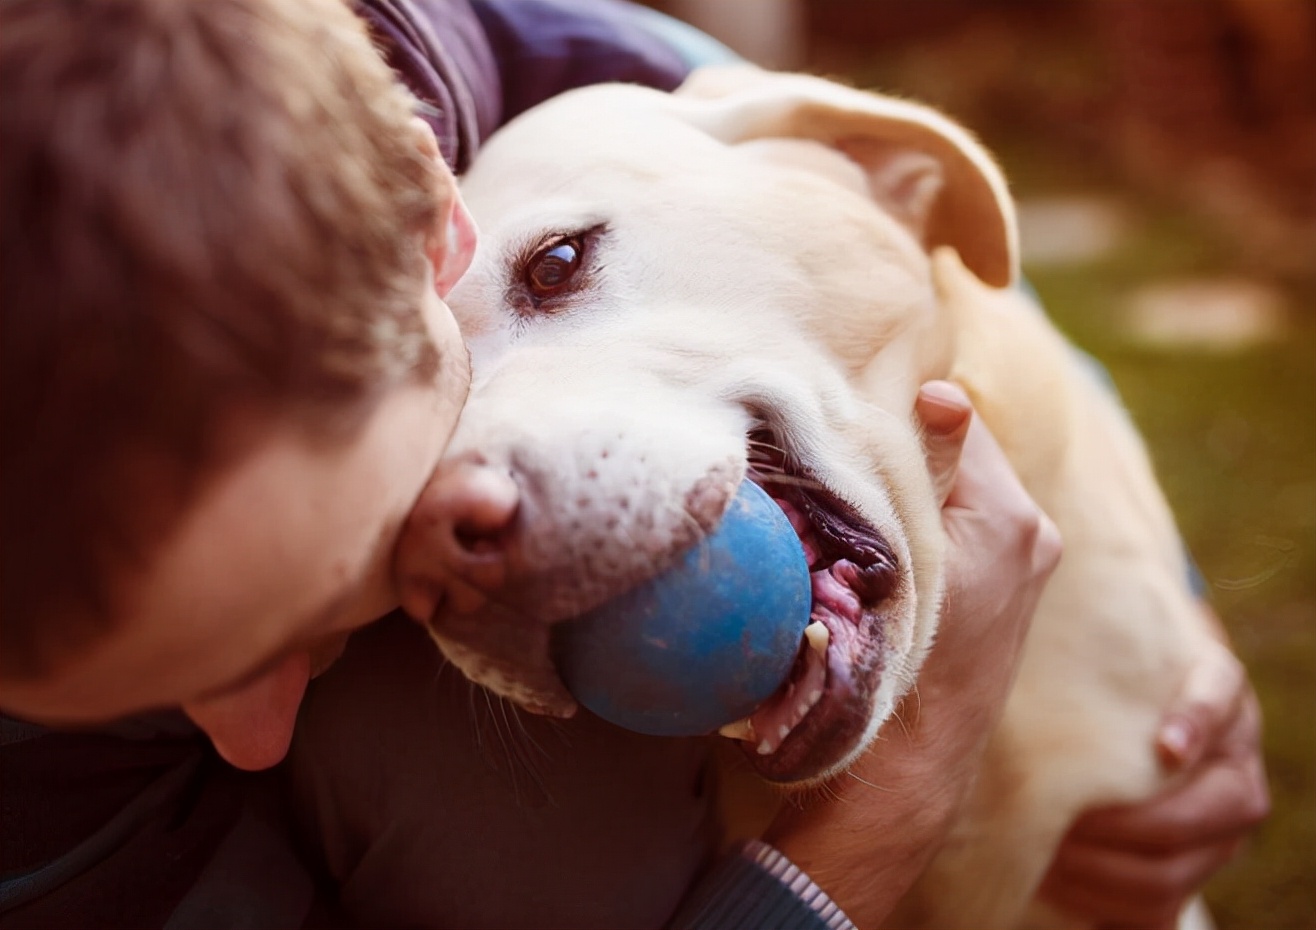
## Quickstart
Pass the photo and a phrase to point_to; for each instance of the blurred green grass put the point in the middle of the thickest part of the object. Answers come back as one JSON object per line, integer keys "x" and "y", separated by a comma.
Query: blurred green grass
{"x": 1233, "y": 436}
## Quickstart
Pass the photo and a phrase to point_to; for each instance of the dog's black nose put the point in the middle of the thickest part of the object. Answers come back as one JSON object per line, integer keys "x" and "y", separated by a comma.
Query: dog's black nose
{"x": 454, "y": 547}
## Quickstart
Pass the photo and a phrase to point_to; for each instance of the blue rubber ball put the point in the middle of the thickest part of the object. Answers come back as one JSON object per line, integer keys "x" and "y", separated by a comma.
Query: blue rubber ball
{"x": 705, "y": 642}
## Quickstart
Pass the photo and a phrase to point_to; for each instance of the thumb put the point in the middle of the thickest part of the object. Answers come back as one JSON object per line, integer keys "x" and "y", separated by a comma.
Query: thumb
{"x": 945, "y": 412}
{"x": 1208, "y": 700}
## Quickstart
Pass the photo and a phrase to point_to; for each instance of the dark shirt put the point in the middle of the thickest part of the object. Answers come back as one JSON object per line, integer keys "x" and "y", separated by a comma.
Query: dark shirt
{"x": 478, "y": 64}
{"x": 142, "y": 825}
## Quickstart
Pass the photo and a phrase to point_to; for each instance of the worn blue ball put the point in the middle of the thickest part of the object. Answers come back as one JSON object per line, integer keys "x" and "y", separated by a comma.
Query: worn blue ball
{"x": 705, "y": 642}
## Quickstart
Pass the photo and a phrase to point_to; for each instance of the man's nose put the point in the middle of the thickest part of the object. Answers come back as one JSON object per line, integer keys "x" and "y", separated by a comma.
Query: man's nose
{"x": 455, "y": 545}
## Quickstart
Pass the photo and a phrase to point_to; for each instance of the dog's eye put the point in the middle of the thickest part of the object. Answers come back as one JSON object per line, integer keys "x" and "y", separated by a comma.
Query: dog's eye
{"x": 553, "y": 267}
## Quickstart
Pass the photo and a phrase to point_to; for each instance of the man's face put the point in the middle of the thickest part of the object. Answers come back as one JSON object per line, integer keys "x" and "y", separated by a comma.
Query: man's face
{"x": 279, "y": 558}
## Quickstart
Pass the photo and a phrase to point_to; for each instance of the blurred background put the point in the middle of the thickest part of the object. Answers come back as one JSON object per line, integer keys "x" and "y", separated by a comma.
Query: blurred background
{"x": 1164, "y": 156}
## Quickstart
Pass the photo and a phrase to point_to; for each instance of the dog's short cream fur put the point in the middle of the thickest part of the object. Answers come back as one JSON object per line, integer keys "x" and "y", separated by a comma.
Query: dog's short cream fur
{"x": 780, "y": 252}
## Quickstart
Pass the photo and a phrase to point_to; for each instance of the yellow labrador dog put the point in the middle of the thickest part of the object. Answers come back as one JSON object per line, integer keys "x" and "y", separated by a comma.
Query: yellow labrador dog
{"x": 748, "y": 280}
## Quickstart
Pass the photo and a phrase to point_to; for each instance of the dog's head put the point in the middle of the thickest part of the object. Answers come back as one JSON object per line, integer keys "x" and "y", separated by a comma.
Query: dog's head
{"x": 675, "y": 293}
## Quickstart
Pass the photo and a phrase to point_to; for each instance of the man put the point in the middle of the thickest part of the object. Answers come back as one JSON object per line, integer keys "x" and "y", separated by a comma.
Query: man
{"x": 228, "y": 374}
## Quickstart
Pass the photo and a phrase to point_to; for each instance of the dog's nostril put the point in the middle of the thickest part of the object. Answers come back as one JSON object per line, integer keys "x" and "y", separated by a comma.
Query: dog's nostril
{"x": 478, "y": 506}
{"x": 477, "y": 540}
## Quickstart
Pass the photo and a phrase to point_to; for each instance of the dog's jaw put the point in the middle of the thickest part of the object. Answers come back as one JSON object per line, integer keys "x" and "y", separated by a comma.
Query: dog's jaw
{"x": 854, "y": 539}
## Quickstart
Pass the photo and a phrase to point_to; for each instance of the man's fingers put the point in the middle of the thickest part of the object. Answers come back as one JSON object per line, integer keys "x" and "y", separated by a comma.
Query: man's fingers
{"x": 1207, "y": 703}
{"x": 1001, "y": 548}
{"x": 1113, "y": 888}
{"x": 945, "y": 412}
{"x": 1225, "y": 801}
{"x": 986, "y": 486}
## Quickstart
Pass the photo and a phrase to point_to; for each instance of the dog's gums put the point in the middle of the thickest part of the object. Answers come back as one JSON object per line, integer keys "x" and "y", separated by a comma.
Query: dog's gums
{"x": 815, "y": 717}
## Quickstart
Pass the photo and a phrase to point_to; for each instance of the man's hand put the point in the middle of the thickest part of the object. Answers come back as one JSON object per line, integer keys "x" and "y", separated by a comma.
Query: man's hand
{"x": 873, "y": 835}
{"x": 1137, "y": 865}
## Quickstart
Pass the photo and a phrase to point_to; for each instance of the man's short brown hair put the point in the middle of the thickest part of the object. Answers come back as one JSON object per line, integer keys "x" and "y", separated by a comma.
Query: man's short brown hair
{"x": 204, "y": 204}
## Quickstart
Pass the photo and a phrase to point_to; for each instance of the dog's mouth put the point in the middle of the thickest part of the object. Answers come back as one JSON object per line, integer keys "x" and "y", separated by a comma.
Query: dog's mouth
{"x": 815, "y": 720}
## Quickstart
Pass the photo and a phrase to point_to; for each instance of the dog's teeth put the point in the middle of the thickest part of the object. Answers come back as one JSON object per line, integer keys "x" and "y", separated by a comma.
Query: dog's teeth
{"x": 739, "y": 729}
{"x": 783, "y": 731}
{"x": 802, "y": 709}
{"x": 818, "y": 636}
{"x": 765, "y": 748}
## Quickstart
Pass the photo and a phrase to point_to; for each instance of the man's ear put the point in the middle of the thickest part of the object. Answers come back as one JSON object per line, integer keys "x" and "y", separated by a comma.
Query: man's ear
{"x": 450, "y": 244}
{"x": 928, "y": 172}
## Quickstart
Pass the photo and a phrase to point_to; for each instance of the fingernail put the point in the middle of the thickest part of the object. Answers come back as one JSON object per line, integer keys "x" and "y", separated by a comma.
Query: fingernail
{"x": 942, "y": 406}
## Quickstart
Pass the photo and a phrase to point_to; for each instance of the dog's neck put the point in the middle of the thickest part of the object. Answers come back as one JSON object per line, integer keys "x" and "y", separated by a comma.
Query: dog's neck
{"x": 997, "y": 329}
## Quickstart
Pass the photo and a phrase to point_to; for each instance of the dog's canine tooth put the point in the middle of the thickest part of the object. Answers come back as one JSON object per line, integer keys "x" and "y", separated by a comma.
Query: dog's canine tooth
{"x": 738, "y": 729}
{"x": 818, "y": 636}
{"x": 765, "y": 748}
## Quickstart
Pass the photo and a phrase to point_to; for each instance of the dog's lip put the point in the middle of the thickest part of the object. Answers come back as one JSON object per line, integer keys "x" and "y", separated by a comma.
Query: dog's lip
{"x": 854, "y": 574}
{"x": 816, "y": 741}
{"x": 832, "y": 727}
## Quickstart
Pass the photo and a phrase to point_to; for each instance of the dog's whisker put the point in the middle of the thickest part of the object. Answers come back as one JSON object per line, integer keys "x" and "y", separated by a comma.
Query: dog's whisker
{"x": 827, "y": 792}
{"x": 918, "y": 703}
{"x": 559, "y": 729}
{"x": 766, "y": 453}
{"x": 502, "y": 741}
{"x": 474, "y": 713}
{"x": 864, "y": 781}
{"x": 901, "y": 720}
{"x": 527, "y": 747}
{"x": 757, "y": 444}
{"x": 766, "y": 477}
{"x": 525, "y": 731}
{"x": 518, "y": 743}
{"x": 811, "y": 484}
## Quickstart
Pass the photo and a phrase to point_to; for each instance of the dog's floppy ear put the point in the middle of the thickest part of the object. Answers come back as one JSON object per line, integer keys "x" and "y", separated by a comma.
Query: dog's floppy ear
{"x": 928, "y": 172}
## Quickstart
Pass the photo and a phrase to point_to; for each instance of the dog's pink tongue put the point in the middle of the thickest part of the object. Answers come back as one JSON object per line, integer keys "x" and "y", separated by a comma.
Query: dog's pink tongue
{"x": 251, "y": 727}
